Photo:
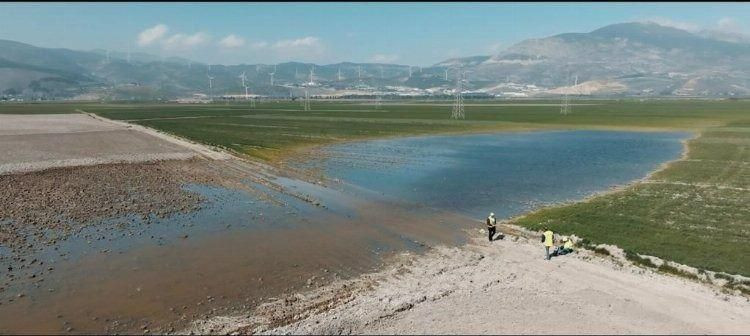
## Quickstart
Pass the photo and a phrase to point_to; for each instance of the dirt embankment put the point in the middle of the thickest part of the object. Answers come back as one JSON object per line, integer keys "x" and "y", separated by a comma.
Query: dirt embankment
{"x": 500, "y": 287}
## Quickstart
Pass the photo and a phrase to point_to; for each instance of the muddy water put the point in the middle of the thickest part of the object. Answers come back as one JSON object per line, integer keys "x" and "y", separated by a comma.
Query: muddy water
{"x": 234, "y": 252}
{"x": 240, "y": 249}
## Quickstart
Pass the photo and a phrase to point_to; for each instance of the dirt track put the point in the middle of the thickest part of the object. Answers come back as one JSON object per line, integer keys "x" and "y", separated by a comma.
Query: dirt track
{"x": 498, "y": 288}
{"x": 38, "y": 142}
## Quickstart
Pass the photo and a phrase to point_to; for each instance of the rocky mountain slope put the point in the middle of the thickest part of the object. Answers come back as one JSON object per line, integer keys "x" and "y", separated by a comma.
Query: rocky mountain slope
{"x": 641, "y": 58}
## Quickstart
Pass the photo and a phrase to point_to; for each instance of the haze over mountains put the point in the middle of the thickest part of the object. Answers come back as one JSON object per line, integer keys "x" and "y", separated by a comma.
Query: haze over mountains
{"x": 627, "y": 59}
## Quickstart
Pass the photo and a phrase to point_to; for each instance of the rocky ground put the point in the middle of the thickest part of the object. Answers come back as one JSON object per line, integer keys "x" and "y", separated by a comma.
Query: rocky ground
{"x": 47, "y": 206}
{"x": 501, "y": 287}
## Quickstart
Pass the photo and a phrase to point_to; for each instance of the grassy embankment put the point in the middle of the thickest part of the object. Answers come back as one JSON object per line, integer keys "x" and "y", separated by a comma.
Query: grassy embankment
{"x": 694, "y": 212}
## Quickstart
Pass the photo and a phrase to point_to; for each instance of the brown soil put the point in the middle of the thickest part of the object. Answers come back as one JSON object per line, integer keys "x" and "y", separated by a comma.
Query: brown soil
{"x": 65, "y": 199}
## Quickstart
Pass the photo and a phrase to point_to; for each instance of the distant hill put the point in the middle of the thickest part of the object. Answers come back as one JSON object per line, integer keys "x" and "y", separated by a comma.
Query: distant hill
{"x": 643, "y": 58}
{"x": 625, "y": 59}
{"x": 45, "y": 72}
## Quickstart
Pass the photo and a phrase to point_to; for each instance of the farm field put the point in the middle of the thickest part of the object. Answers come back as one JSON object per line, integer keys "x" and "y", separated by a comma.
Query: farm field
{"x": 273, "y": 129}
{"x": 693, "y": 212}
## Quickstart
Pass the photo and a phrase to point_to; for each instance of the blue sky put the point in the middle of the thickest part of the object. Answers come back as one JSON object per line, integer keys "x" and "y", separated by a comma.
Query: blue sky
{"x": 403, "y": 33}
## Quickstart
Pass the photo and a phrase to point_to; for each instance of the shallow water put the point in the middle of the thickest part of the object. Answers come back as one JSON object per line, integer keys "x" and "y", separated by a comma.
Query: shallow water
{"x": 504, "y": 173}
{"x": 124, "y": 273}
{"x": 240, "y": 248}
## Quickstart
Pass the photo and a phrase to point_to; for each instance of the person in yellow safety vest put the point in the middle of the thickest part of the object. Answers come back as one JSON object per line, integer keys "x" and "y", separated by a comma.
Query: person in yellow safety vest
{"x": 568, "y": 246}
{"x": 491, "y": 225}
{"x": 547, "y": 238}
{"x": 565, "y": 249}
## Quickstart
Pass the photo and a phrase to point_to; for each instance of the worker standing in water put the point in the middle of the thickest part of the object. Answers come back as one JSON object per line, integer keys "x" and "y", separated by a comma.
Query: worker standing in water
{"x": 547, "y": 238}
{"x": 491, "y": 224}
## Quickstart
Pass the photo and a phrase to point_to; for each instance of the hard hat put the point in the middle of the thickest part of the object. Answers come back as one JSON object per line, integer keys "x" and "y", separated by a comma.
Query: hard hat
{"x": 492, "y": 214}
{"x": 565, "y": 239}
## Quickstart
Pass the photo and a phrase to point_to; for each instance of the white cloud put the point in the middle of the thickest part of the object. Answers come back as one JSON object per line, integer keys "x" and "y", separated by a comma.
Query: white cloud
{"x": 691, "y": 27}
{"x": 232, "y": 41}
{"x": 259, "y": 45}
{"x": 729, "y": 25}
{"x": 182, "y": 41}
{"x": 495, "y": 48}
{"x": 384, "y": 58}
{"x": 725, "y": 25}
{"x": 305, "y": 48}
{"x": 152, "y": 34}
{"x": 309, "y": 41}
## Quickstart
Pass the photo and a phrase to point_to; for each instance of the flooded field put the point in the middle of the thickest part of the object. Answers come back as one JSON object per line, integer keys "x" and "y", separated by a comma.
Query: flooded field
{"x": 508, "y": 173}
{"x": 133, "y": 274}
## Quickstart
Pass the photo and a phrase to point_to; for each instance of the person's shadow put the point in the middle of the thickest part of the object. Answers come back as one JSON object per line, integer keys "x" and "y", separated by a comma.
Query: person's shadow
{"x": 558, "y": 253}
{"x": 498, "y": 236}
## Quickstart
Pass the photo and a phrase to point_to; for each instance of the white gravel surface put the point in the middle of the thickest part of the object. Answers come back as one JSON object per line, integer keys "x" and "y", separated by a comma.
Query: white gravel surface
{"x": 503, "y": 287}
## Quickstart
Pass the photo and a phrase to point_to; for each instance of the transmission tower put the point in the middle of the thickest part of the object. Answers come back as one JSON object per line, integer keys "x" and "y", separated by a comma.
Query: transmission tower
{"x": 565, "y": 105}
{"x": 306, "y": 102}
{"x": 458, "y": 104}
{"x": 378, "y": 101}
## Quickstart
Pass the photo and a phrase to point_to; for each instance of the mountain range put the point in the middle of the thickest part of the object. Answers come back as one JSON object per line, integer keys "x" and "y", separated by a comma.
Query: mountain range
{"x": 626, "y": 59}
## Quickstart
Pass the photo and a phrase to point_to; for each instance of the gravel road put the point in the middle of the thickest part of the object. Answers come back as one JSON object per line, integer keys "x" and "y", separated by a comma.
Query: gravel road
{"x": 503, "y": 287}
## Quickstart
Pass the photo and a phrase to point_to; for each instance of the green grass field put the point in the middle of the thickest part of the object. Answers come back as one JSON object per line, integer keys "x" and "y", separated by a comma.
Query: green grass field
{"x": 273, "y": 129}
{"x": 694, "y": 212}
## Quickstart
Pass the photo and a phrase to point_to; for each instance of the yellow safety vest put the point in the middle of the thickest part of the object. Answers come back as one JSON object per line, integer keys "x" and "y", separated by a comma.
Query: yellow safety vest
{"x": 548, "y": 238}
{"x": 568, "y": 245}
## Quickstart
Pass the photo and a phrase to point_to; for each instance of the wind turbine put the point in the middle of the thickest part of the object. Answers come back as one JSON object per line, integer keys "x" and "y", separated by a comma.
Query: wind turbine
{"x": 273, "y": 73}
{"x": 446, "y": 74}
{"x": 312, "y": 72}
{"x": 339, "y": 74}
{"x": 210, "y": 87}
{"x": 359, "y": 72}
{"x": 242, "y": 76}
{"x": 410, "y": 71}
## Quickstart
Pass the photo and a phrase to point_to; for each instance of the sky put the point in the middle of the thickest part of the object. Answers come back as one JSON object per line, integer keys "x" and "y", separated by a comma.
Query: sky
{"x": 418, "y": 34}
